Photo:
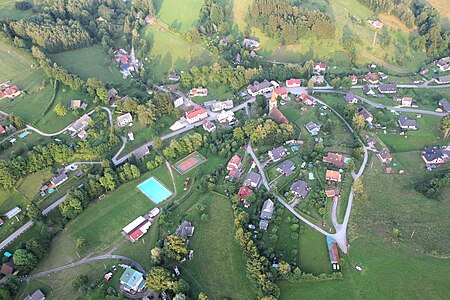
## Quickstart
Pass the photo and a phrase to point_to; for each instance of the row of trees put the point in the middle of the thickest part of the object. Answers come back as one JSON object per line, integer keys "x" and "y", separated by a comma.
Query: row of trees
{"x": 288, "y": 23}
{"x": 400, "y": 8}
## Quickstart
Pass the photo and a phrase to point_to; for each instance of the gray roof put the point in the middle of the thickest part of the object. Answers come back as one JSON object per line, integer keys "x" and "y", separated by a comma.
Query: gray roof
{"x": 311, "y": 126}
{"x": 252, "y": 177}
{"x": 445, "y": 105}
{"x": 81, "y": 123}
{"x": 388, "y": 87}
{"x": 365, "y": 113}
{"x": 267, "y": 209}
{"x": 366, "y": 88}
{"x": 58, "y": 179}
{"x": 406, "y": 122}
{"x": 433, "y": 153}
{"x": 257, "y": 86}
{"x": 300, "y": 187}
{"x": 349, "y": 97}
{"x": 286, "y": 167}
{"x": 444, "y": 79}
{"x": 209, "y": 103}
{"x": 263, "y": 224}
{"x": 112, "y": 93}
{"x": 185, "y": 230}
{"x": 278, "y": 152}
{"x": 141, "y": 152}
{"x": 37, "y": 295}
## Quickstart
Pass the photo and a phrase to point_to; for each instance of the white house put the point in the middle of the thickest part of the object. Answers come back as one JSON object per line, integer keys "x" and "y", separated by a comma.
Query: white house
{"x": 124, "y": 120}
{"x": 198, "y": 113}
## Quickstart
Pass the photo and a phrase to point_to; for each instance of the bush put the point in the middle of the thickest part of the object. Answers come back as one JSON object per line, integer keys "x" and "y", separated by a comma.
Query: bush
{"x": 23, "y": 5}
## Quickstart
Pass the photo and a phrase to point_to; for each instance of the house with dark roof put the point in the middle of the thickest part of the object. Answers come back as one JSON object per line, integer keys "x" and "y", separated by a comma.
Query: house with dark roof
{"x": 57, "y": 180}
{"x": 406, "y": 123}
{"x": 185, "y": 230}
{"x": 286, "y": 167}
{"x": 37, "y": 295}
{"x": 443, "y": 79}
{"x": 385, "y": 156}
{"x": 267, "y": 210}
{"x": 313, "y": 128}
{"x": 78, "y": 127}
{"x": 300, "y": 188}
{"x": 367, "y": 115}
{"x": 250, "y": 43}
{"x": 209, "y": 126}
{"x": 387, "y": 88}
{"x": 445, "y": 105}
{"x": 367, "y": 90}
{"x": 277, "y": 153}
{"x": 141, "y": 152}
{"x": 350, "y": 98}
{"x": 263, "y": 225}
{"x": 444, "y": 64}
{"x": 253, "y": 179}
{"x": 335, "y": 159}
{"x": 8, "y": 268}
{"x": 435, "y": 155}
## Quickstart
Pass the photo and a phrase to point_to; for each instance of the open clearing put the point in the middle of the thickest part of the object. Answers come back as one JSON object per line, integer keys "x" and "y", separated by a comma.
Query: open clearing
{"x": 8, "y": 10}
{"x": 181, "y": 15}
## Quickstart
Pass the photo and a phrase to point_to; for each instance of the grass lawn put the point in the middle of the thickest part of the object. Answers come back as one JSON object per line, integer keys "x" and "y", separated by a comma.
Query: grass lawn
{"x": 218, "y": 267}
{"x": 17, "y": 68}
{"x": 88, "y": 62}
{"x": 22, "y": 145}
{"x": 169, "y": 51}
{"x": 30, "y": 185}
{"x": 220, "y": 92}
{"x": 181, "y": 15}
{"x": 8, "y": 10}
{"x": 313, "y": 253}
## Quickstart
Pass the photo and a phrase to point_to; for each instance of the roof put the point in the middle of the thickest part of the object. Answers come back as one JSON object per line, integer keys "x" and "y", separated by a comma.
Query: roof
{"x": 331, "y": 192}
{"x": 131, "y": 277}
{"x": 406, "y": 122}
{"x": 81, "y": 123}
{"x": 197, "y": 110}
{"x": 244, "y": 192}
{"x": 320, "y": 65}
{"x": 293, "y": 81}
{"x": 278, "y": 152}
{"x": 234, "y": 161}
{"x": 58, "y": 179}
{"x": 267, "y": 209}
{"x": 432, "y": 153}
{"x": 280, "y": 91}
{"x": 445, "y": 105}
{"x": 252, "y": 177}
{"x": 278, "y": 116}
{"x": 257, "y": 86}
{"x": 140, "y": 152}
{"x": 7, "y": 268}
{"x": 444, "y": 79}
{"x": 365, "y": 113}
{"x": 185, "y": 230}
{"x": 135, "y": 224}
{"x": 335, "y": 159}
{"x": 349, "y": 97}
{"x": 385, "y": 154}
{"x": 126, "y": 117}
{"x": 263, "y": 224}
{"x": 286, "y": 167}
{"x": 140, "y": 230}
{"x": 366, "y": 88}
{"x": 333, "y": 175}
{"x": 37, "y": 295}
{"x": 75, "y": 103}
{"x": 392, "y": 87}
{"x": 300, "y": 187}
{"x": 2, "y": 129}
{"x": 311, "y": 126}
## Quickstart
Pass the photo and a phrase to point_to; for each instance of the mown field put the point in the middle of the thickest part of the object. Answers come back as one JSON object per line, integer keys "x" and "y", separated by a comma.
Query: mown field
{"x": 89, "y": 62}
{"x": 181, "y": 15}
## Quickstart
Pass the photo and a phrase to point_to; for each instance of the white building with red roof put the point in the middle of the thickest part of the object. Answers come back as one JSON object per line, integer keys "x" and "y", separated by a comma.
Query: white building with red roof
{"x": 198, "y": 113}
{"x": 234, "y": 163}
{"x": 136, "y": 229}
{"x": 293, "y": 82}
{"x": 10, "y": 92}
{"x": 280, "y": 92}
{"x": 320, "y": 67}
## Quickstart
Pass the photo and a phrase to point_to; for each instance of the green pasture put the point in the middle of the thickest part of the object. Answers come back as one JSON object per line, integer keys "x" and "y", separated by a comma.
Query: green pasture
{"x": 9, "y": 11}
{"x": 180, "y": 15}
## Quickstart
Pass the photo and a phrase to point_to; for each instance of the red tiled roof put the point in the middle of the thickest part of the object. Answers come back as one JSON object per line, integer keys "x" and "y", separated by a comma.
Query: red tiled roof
{"x": 244, "y": 192}
{"x": 280, "y": 91}
{"x": 320, "y": 64}
{"x": 135, "y": 235}
{"x": 278, "y": 115}
{"x": 197, "y": 110}
{"x": 2, "y": 129}
{"x": 333, "y": 176}
{"x": 335, "y": 159}
{"x": 235, "y": 160}
{"x": 293, "y": 81}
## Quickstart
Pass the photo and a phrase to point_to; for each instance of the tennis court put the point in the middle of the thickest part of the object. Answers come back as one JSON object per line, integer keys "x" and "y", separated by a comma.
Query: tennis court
{"x": 189, "y": 163}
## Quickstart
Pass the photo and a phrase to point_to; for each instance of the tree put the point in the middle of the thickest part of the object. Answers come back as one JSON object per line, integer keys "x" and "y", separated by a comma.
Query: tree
{"x": 359, "y": 121}
{"x": 346, "y": 83}
{"x": 158, "y": 279}
{"x": 157, "y": 143}
{"x": 180, "y": 296}
{"x": 24, "y": 261}
{"x": 79, "y": 281}
{"x": 444, "y": 126}
{"x": 336, "y": 83}
{"x": 33, "y": 212}
{"x": 350, "y": 165}
{"x": 39, "y": 247}
{"x": 284, "y": 268}
{"x": 395, "y": 232}
{"x": 358, "y": 190}
{"x": 310, "y": 85}
{"x": 202, "y": 296}
{"x": 81, "y": 243}
{"x": 61, "y": 110}
{"x": 156, "y": 255}
{"x": 180, "y": 286}
{"x": 175, "y": 247}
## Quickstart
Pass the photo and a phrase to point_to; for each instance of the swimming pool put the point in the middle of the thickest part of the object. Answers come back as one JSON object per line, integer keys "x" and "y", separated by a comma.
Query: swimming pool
{"x": 154, "y": 190}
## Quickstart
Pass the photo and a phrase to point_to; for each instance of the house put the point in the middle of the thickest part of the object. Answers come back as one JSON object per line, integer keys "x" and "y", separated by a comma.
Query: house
{"x": 313, "y": 128}
{"x": 320, "y": 67}
{"x": 124, "y": 120}
{"x": 337, "y": 160}
{"x": 318, "y": 79}
{"x": 2, "y": 129}
{"x": 280, "y": 92}
{"x": 244, "y": 192}
{"x": 8, "y": 268}
{"x": 333, "y": 176}
{"x": 443, "y": 79}
{"x": 307, "y": 99}
{"x": 37, "y": 295}
{"x": 250, "y": 44}
{"x": 385, "y": 156}
{"x": 371, "y": 78}
{"x": 383, "y": 76}
{"x": 74, "y": 104}
{"x": 234, "y": 163}
{"x": 222, "y": 105}
{"x": 198, "y": 92}
{"x": 405, "y": 101}
{"x": 350, "y": 98}
{"x": 198, "y": 113}
{"x": 286, "y": 167}
{"x": 263, "y": 225}
{"x": 185, "y": 230}
{"x": 333, "y": 252}
{"x": 332, "y": 192}
{"x": 407, "y": 123}
{"x": 112, "y": 94}
{"x": 237, "y": 59}
{"x": 57, "y": 180}
{"x": 377, "y": 24}
{"x": 367, "y": 115}
{"x": 259, "y": 88}
{"x": 293, "y": 82}
{"x": 354, "y": 79}
{"x": 10, "y": 92}
{"x": 136, "y": 229}
{"x": 278, "y": 116}
{"x": 79, "y": 126}
{"x": 154, "y": 212}
{"x": 371, "y": 142}
{"x": 226, "y": 116}
{"x": 177, "y": 99}
{"x": 132, "y": 281}
{"x": 209, "y": 126}
{"x": 300, "y": 188}
{"x": 253, "y": 179}
{"x": 209, "y": 104}
{"x": 367, "y": 90}
{"x": 445, "y": 105}
{"x": 435, "y": 155}
{"x": 444, "y": 64}
{"x": 388, "y": 88}
{"x": 277, "y": 153}
{"x": 141, "y": 152}
{"x": 174, "y": 76}
{"x": 425, "y": 71}
{"x": 267, "y": 210}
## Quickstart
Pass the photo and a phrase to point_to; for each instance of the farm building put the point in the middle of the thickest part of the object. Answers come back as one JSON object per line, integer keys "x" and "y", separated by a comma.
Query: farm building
{"x": 333, "y": 252}
{"x": 136, "y": 229}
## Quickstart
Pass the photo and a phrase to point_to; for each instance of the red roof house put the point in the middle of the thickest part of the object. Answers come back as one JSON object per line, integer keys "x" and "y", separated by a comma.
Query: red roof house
{"x": 337, "y": 160}
{"x": 234, "y": 163}
{"x": 244, "y": 192}
{"x": 278, "y": 116}
{"x": 333, "y": 176}
{"x": 2, "y": 129}
{"x": 282, "y": 92}
{"x": 293, "y": 82}
{"x": 196, "y": 114}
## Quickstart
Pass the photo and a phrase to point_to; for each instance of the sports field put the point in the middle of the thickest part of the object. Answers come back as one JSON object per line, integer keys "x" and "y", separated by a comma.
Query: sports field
{"x": 189, "y": 163}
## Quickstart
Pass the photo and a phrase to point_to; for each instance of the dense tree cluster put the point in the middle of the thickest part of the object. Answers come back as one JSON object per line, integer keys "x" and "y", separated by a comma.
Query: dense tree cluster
{"x": 265, "y": 131}
{"x": 27, "y": 256}
{"x": 213, "y": 17}
{"x": 286, "y": 22}
{"x": 183, "y": 146}
{"x": 432, "y": 188}
{"x": 400, "y": 8}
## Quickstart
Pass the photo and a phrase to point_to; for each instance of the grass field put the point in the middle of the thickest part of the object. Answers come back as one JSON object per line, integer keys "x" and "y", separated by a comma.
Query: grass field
{"x": 442, "y": 6}
{"x": 313, "y": 252}
{"x": 88, "y": 62}
{"x": 181, "y": 15}
{"x": 30, "y": 185}
{"x": 8, "y": 10}
{"x": 169, "y": 51}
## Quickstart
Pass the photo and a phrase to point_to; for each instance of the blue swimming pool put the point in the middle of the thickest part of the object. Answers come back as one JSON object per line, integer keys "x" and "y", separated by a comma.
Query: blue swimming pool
{"x": 154, "y": 190}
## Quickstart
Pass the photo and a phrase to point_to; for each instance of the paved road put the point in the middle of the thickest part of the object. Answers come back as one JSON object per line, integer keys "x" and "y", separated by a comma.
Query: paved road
{"x": 133, "y": 263}
{"x": 13, "y": 236}
{"x": 109, "y": 115}
{"x": 53, "y": 205}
